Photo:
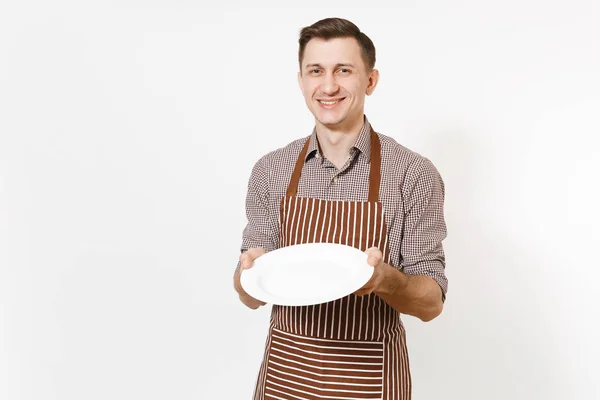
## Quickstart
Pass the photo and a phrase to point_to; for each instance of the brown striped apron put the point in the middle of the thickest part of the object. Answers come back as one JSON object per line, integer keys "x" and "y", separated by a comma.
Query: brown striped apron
{"x": 350, "y": 348}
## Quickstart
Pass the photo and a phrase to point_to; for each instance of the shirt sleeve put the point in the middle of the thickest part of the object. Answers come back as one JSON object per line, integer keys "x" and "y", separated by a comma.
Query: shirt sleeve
{"x": 421, "y": 248}
{"x": 260, "y": 230}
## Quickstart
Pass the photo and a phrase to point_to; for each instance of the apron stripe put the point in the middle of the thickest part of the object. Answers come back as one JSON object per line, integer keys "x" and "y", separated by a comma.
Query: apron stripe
{"x": 271, "y": 396}
{"x": 296, "y": 311}
{"x": 347, "y": 218}
{"x": 328, "y": 375}
{"x": 333, "y": 307}
{"x": 308, "y": 210}
{"x": 285, "y": 214}
{"x": 367, "y": 314}
{"x": 306, "y": 391}
{"x": 301, "y": 211}
{"x": 327, "y": 307}
{"x": 279, "y": 370}
{"x": 368, "y": 345}
{"x": 354, "y": 301}
{"x": 360, "y": 315}
{"x": 374, "y": 316}
{"x": 335, "y": 359}
{"x": 385, "y": 245}
{"x": 324, "y": 391}
{"x": 306, "y": 319}
{"x": 394, "y": 372}
{"x": 318, "y": 222}
{"x": 354, "y": 224}
{"x": 336, "y": 224}
{"x": 322, "y": 222}
{"x": 299, "y": 218}
{"x": 330, "y": 215}
{"x": 289, "y": 223}
{"x": 312, "y": 325}
{"x": 302, "y": 310}
{"x": 339, "y": 324}
{"x": 349, "y": 298}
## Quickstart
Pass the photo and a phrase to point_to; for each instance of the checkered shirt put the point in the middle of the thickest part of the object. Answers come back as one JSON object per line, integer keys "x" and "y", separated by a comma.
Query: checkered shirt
{"x": 411, "y": 192}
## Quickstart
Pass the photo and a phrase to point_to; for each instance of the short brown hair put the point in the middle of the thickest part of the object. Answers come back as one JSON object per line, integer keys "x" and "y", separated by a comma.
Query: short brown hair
{"x": 331, "y": 28}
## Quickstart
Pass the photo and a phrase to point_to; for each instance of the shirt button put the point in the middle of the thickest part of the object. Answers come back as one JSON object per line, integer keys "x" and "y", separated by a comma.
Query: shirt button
{"x": 335, "y": 179}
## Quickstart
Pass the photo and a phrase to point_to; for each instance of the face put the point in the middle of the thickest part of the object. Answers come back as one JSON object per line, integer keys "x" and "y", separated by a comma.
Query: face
{"x": 334, "y": 81}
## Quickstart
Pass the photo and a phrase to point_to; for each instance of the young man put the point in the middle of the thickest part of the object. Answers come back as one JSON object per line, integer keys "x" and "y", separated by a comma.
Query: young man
{"x": 353, "y": 347}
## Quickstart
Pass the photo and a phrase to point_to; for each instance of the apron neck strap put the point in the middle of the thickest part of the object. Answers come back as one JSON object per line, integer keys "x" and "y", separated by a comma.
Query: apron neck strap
{"x": 374, "y": 174}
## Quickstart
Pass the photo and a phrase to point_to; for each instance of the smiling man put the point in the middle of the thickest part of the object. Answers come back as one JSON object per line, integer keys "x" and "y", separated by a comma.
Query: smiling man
{"x": 357, "y": 187}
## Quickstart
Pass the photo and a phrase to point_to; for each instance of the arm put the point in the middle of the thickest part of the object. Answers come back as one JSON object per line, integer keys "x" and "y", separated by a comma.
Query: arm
{"x": 260, "y": 233}
{"x": 419, "y": 286}
{"x": 415, "y": 295}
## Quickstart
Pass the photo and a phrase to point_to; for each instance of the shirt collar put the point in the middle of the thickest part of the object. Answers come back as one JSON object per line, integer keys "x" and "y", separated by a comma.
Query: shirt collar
{"x": 363, "y": 142}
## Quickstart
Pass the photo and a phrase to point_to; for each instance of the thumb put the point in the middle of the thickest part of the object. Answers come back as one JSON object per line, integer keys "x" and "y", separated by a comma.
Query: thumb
{"x": 374, "y": 256}
{"x": 248, "y": 257}
{"x": 256, "y": 252}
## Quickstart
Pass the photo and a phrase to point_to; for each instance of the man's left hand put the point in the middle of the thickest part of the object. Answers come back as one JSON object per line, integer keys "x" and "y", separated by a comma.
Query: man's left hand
{"x": 374, "y": 259}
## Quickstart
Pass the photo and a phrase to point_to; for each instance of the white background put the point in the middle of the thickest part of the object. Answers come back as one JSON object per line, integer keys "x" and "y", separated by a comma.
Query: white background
{"x": 128, "y": 130}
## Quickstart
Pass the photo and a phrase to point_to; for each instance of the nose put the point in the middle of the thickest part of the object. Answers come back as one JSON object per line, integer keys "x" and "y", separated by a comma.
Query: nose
{"x": 329, "y": 85}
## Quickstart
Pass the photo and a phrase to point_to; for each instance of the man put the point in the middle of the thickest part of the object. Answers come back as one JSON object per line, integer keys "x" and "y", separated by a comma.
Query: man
{"x": 353, "y": 347}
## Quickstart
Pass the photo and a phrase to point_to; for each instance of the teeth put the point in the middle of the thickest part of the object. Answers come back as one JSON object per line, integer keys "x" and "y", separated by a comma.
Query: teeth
{"x": 329, "y": 102}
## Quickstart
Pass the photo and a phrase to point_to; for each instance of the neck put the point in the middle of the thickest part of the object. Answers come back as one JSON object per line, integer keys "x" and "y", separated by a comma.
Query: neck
{"x": 335, "y": 143}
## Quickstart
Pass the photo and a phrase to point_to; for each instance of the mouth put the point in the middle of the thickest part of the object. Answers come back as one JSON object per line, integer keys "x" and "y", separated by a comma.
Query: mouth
{"x": 330, "y": 103}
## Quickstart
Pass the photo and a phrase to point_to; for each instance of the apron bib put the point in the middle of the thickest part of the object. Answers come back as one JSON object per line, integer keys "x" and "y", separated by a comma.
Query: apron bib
{"x": 350, "y": 348}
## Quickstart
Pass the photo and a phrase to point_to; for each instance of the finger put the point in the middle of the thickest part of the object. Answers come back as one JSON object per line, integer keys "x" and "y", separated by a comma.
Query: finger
{"x": 373, "y": 251}
{"x": 251, "y": 301}
{"x": 243, "y": 258}
{"x": 374, "y": 260}
{"x": 248, "y": 257}
{"x": 374, "y": 256}
{"x": 259, "y": 302}
{"x": 237, "y": 285}
{"x": 246, "y": 260}
{"x": 256, "y": 252}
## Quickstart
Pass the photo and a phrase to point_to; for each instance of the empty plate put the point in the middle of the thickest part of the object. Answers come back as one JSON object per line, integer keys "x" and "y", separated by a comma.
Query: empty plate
{"x": 307, "y": 274}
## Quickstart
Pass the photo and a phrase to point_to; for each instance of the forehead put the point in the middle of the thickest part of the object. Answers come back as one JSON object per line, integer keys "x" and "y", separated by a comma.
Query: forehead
{"x": 332, "y": 51}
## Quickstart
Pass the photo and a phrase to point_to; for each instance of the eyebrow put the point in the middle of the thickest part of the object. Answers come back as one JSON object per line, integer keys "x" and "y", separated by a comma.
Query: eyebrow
{"x": 336, "y": 65}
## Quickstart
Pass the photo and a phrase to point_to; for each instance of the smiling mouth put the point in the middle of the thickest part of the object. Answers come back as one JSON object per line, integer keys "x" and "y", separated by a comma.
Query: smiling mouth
{"x": 330, "y": 102}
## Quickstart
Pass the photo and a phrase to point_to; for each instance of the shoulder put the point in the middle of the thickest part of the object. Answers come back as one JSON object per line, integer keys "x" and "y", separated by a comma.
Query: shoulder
{"x": 403, "y": 162}
{"x": 278, "y": 164}
{"x": 283, "y": 155}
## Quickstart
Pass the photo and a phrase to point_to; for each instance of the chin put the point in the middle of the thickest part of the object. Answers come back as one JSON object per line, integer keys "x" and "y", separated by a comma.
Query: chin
{"x": 330, "y": 121}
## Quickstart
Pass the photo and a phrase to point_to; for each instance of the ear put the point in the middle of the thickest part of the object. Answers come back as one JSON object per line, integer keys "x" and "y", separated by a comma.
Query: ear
{"x": 373, "y": 79}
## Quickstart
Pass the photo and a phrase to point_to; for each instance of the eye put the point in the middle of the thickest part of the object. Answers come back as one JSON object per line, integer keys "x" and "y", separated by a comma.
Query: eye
{"x": 314, "y": 71}
{"x": 344, "y": 70}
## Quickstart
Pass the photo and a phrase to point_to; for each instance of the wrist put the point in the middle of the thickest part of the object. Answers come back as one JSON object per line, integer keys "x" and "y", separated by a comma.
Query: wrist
{"x": 390, "y": 281}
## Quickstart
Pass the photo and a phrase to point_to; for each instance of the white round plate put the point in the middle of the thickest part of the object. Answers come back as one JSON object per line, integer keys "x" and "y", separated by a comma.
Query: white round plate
{"x": 307, "y": 274}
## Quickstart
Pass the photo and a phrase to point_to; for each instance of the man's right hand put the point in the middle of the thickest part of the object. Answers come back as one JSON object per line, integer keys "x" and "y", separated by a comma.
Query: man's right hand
{"x": 246, "y": 260}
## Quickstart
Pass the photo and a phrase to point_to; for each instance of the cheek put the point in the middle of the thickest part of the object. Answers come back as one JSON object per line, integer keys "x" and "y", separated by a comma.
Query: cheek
{"x": 354, "y": 88}
{"x": 360, "y": 92}
{"x": 309, "y": 91}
